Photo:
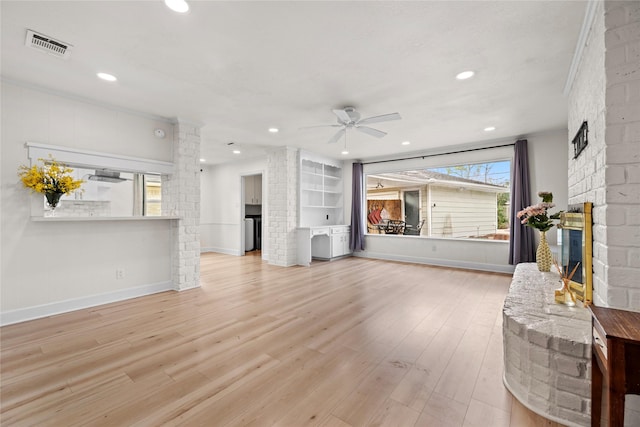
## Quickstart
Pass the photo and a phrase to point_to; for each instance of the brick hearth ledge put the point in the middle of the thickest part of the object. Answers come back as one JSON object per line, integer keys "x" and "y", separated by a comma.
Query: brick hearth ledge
{"x": 547, "y": 348}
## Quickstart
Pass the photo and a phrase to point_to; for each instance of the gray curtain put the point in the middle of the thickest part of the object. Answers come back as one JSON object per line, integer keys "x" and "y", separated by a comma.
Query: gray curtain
{"x": 522, "y": 245}
{"x": 356, "y": 240}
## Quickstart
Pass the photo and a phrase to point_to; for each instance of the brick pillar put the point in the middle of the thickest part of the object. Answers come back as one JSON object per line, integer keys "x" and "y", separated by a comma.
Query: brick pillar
{"x": 622, "y": 168}
{"x": 282, "y": 172}
{"x": 181, "y": 197}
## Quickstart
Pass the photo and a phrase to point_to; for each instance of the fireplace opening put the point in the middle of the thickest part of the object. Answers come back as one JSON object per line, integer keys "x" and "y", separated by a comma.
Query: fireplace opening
{"x": 577, "y": 247}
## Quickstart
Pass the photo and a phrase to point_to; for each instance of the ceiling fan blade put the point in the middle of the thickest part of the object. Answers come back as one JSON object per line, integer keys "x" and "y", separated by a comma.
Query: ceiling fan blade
{"x": 342, "y": 115}
{"x": 371, "y": 131}
{"x": 337, "y": 136}
{"x": 320, "y": 126}
{"x": 378, "y": 119}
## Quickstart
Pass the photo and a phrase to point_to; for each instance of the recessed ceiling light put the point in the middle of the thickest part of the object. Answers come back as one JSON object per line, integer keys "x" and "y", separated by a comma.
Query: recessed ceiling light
{"x": 179, "y": 6}
{"x": 107, "y": 77}
{"x": 465, "y": 75}
{"x": 489, "y": 128}
{"x": 236, "y": 151}
{"x": 406, "y": 142}
{"x": 345, "y": 152}
{"x": 274, "y": 130}
{"x": 203, "y": 160}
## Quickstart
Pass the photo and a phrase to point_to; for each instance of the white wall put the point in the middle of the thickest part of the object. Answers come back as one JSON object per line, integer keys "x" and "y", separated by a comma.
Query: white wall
{"x": 548, "y": 172}
{"x": 50, "y": 267}
{"x": 221, "y": 214}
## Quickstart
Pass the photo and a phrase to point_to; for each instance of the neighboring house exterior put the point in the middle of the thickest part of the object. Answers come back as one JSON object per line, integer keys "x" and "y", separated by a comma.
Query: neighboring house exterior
{"x": 444, "y": 202}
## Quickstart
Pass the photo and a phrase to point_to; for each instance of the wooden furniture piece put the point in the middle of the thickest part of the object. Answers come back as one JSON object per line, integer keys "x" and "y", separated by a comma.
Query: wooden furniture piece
{"x": 615, "y": 361}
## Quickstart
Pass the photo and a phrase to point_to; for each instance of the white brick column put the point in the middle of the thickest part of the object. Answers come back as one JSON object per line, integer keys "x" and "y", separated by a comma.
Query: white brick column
{"x": 181, "y": 197}
{"x": 282, "y": 172}
{"x": 606, "y": 93}
{"x": 622, "y": 69}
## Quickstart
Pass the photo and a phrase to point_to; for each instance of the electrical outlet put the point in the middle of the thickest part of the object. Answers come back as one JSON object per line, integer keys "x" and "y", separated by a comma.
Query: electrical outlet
{"x": 119, "y": 273}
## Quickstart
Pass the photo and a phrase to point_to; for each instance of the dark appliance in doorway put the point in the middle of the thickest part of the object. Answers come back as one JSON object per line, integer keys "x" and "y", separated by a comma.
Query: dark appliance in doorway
{"x": 257, "y": 231}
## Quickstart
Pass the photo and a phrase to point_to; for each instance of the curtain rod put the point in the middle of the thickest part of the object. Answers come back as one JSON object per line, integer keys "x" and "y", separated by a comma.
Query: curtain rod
{"x": 440, "y": 154}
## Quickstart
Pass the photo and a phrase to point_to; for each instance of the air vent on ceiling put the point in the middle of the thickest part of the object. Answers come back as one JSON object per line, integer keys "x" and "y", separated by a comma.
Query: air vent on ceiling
{"x": 47, "y": 44}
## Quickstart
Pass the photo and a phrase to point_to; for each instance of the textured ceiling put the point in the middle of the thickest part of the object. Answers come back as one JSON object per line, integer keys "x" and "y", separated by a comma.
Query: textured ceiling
{"x": 239, "y": 68}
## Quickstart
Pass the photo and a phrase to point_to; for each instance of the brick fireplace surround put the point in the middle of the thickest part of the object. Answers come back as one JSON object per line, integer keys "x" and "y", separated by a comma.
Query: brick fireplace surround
{"x": 547, "y": 348}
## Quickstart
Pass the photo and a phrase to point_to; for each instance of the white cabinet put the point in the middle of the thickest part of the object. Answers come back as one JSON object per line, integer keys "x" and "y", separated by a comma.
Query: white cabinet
{"x": 253, "y": 190}
{"x": 322, "y": 243}
{"x": 339, "y": 241}
{"x": 320, "y": 191}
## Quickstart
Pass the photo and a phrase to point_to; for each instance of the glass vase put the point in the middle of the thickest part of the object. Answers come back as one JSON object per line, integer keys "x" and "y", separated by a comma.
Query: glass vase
{"x": 53, "y": 198}
{"x": 543, "y": 253}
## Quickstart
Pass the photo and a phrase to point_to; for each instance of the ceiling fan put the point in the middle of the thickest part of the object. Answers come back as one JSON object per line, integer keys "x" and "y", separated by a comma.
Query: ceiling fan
{"x": 349, "y": 118}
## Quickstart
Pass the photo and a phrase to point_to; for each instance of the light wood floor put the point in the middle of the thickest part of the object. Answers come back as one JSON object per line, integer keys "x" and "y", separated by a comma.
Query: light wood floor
{"x": 352, "y": 342}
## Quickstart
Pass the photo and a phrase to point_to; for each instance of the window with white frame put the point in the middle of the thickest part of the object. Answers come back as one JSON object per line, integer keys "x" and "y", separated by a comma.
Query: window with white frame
{"x": 463, "y": 201}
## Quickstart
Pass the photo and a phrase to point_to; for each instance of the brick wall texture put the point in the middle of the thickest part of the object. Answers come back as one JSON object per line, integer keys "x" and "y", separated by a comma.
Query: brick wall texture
{"x": 282, "y": 169}
{"x": 547, "y": 351}
{"x": 181, "y": 197}
{"x": 606, "y": 93}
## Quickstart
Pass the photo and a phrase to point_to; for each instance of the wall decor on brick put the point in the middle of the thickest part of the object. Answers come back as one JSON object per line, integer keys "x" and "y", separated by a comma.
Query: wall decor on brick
{"x": 580, "y": 141}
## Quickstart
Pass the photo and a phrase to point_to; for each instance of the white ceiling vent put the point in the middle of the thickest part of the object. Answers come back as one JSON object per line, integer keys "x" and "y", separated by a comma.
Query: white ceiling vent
{"x": 47, "y": 44}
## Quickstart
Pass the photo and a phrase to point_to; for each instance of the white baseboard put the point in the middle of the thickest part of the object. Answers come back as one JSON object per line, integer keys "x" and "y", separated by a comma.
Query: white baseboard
{"x": 226, "y": 251}
{"x": 45, "y": 310}
{"x": 494, "y": 268}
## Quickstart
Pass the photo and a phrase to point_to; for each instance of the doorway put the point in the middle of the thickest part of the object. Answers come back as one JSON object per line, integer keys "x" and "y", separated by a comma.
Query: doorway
{"x": 412, "y": 207}
{"x": 251, "y": 214}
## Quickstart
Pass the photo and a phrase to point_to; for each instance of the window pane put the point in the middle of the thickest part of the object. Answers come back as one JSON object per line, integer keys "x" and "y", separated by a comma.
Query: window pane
{"x": 461, "y": 201}
{"x": 152, "y": 196}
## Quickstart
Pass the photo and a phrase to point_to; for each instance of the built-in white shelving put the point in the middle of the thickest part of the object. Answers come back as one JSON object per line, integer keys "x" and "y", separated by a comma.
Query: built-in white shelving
{"x": 321, "y": 193}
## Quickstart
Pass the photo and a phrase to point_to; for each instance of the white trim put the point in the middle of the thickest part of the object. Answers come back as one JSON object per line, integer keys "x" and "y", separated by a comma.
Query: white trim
{"x": 45, "y": 310}
{"x": 532, "y": 408}
{"x": 587, "y": 22}
{"x": 95, "y": 159}
{"x": 494, "y": 268}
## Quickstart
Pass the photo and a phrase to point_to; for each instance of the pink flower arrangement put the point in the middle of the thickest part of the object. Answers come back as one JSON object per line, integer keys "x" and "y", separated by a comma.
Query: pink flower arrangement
{"x": 537, "y": 216}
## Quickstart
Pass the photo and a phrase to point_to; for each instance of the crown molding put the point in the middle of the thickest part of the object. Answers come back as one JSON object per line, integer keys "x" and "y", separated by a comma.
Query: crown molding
{"x": 587, "y": 22}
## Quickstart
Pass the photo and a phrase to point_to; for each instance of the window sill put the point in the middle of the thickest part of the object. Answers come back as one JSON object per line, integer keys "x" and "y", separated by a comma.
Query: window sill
{"x": 450, "y": 239}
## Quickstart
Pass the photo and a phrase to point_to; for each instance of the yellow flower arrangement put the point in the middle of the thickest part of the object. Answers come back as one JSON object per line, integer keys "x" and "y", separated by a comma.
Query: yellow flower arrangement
{"x": 50, "y": 177}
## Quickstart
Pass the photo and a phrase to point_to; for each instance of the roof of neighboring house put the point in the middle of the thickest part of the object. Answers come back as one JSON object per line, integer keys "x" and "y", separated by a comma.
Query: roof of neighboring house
{"x": 431, "y": 177}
